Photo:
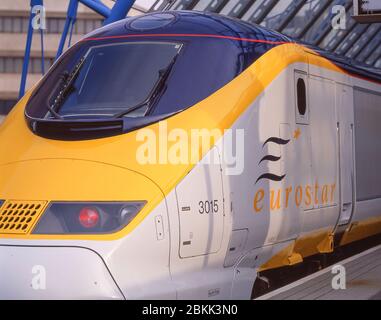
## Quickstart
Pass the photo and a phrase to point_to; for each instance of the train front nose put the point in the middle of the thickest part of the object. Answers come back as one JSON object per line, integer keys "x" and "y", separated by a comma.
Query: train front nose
{"x": 51, "y": 246}
{"x": 54, "y": 180}
{"x": 39, "y": 272}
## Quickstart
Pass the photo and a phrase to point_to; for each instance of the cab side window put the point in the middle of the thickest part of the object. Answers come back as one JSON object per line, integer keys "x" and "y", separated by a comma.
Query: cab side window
{"x": 301, "y": 98}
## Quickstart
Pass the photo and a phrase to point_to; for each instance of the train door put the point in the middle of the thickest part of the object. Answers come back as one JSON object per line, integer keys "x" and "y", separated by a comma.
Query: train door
{"x": 296, "y": 158}
{"x": 201, "y": 210}
{"x": 198, "y": 233}
{"x": 345, "y": 124}
{"x": 324, "y": 209}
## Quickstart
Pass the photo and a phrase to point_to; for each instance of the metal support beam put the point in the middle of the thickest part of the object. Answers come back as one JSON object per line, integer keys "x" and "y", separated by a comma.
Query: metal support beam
{"x": 291, "y": 14}
{"x": 343, "y": 37}
{"x": 265, "y": 11}
{"x": 184, "y": 4}
{"x": 161, "y": 5}
{"x": 361, "y": 28}
{"x": 217, "y": 6}
{"x": 70, "y": 20}
{"x": 313, "y": 19}
{"x": 119, "y": 11}
{"x": 192, "y": 4}
{"x": 42, "y": 52}
{"x": 28, "y": 47}
{"x": 244, "y": 9}
{"x": 97, "y": 7}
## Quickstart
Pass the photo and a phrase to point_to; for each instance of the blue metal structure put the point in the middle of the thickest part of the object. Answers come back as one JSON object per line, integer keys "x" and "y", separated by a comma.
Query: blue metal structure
{"x": 28, "y": 46}
{"x": 69, "y": 23}
{"x": 119, "y": 11}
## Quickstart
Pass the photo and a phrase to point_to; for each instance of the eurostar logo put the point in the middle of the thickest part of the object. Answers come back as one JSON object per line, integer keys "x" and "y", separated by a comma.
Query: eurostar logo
{"x": 284, "y": 196}
{"x": 272, "y": 158}
{"x": 300, "y": 196}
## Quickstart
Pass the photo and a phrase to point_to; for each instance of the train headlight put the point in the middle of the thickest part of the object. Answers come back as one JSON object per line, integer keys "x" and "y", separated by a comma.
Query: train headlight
{"x": 87, "y": 218}
{"x": 127, "y": 213}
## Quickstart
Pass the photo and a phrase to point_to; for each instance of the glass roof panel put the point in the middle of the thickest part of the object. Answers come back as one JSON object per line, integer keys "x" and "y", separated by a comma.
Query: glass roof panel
{"x": 370, "y": 48}
{"x": 335, "y": 36}
{"x": 308, "y": 20}
{"x": 228, "y": 8}
{"x": 301, "y": 19}
{"x": 351, "y": 38}
{"x": 236, "y": 8}
{"x": 321, "y": 22}
{"x": 158, "y": 5}
{"x": 274, "y": 17}
{"x": 362, "y": 41}
{"x": 259, "y": 10}
{"x": 248, "y": 16}
{"x": 182, "y": 4}
{"x": 378, "y": 63}
{"x": 211, "y": 5}
{"x": 207, "y": 5}
{"x": 374, "y": 56}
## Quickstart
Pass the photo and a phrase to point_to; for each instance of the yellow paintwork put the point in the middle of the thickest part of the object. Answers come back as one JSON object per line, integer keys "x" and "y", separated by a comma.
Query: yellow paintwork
{"x": 327, "y": 244}
{"x": 35, "y": 168}
{"x": 320, "y": 241}
{"x": 280, "y": 259}
{"x": 19, "y": 217}
{"x": 361, "y": 229}
{"x": 77, "y": 180}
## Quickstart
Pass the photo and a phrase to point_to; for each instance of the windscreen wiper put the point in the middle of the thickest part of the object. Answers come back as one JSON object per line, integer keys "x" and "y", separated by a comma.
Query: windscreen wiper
{"x": 155, "y": 92}
{"x": 62, "y": 81}
{"x": 67, "y": 86}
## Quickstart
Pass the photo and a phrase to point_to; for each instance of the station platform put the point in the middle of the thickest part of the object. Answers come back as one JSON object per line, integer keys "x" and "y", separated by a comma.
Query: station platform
{"x": 363, "y": 281}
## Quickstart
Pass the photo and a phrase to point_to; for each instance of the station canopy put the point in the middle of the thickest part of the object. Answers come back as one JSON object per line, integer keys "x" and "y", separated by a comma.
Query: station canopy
{"x": 306, "y": 20}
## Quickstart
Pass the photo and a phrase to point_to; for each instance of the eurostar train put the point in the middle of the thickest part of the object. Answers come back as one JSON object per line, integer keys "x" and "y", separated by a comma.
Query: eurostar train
{"x": 83, "y": 216}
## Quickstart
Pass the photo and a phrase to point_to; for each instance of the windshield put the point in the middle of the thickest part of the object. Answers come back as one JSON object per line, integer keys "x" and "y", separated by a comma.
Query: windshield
{"x": 108, "y": 86}
{"x": 107, "y": 81}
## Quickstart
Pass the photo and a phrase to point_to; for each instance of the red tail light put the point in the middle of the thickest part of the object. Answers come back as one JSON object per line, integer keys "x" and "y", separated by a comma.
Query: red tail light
{"x": 89, "y": 217}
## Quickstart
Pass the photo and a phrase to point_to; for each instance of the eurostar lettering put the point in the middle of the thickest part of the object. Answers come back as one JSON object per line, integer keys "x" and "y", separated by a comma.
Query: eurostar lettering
{"x": 299, "y": 195}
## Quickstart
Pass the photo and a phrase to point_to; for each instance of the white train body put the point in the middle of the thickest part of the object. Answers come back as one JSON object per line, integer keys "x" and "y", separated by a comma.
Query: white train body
{"x": 213, "y": 232}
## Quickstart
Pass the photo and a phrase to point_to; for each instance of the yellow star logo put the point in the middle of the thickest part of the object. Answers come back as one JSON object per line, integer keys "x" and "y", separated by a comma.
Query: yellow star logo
{"x": 297, "y": 134}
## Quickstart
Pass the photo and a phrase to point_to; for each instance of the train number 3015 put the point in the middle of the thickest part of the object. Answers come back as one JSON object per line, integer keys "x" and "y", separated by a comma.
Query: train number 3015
{"x": 206, "y": 207}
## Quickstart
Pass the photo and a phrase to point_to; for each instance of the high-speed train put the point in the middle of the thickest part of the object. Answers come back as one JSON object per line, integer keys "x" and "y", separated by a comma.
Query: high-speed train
{"x": 177, "y": 155}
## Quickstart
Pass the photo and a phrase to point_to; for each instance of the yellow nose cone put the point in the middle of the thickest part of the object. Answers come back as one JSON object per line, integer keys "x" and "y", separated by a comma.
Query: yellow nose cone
{"x": 77, "y": 180}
